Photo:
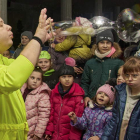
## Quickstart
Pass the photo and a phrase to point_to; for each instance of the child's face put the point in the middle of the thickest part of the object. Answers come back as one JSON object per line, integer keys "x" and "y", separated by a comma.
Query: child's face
{"x": 60, "y": 39}
{"x": 104, "y": 46}
{"x": 35, "y": 80}
{"x": 7, "y": 54}
{"x": 24, "y": 40}
{"x": 66, "y": 81}
{"x": 120, "y": 79}
{"x": 44, "y": 64}
{"x": 132, "y": 79}
{"x": 102, "y": 98}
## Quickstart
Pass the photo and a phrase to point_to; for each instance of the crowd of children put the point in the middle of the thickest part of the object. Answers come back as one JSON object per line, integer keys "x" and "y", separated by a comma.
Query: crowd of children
{"x": 102, "y": 105}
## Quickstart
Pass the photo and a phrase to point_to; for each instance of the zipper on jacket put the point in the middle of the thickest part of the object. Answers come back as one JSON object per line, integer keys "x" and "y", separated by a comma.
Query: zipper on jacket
{"x": 59, "y": 119}
{"x": 109, "y": 74}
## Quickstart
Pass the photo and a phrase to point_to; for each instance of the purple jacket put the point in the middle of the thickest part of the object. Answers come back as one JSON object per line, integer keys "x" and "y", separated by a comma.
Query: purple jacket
{"x": 93, "y": 121}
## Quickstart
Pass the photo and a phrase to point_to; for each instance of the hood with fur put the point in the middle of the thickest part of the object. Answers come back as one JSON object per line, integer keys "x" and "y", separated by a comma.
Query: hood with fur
{"x": 92, "y": 105}
{"x": 117, "y": 53}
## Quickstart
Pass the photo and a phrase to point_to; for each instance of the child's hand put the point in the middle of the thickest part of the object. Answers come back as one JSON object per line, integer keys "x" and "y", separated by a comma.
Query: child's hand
{"x": 76, "y": 69}
{"x": 48, "y": 137}
{"x": 94, "y": 138}
{"x": 34, "y": 137}
{"x": 80, "y": 71}
{"x": 86, "y": 100}
{"x": 73, "y": 117}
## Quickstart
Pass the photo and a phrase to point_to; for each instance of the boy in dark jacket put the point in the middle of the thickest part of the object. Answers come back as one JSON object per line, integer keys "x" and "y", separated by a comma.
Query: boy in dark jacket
{"x": 125, "y": 122}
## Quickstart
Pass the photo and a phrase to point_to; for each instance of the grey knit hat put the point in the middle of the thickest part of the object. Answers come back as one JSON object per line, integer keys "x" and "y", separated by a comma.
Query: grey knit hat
{"x": 105, "y": 35}
{"x": 29, "y": 34}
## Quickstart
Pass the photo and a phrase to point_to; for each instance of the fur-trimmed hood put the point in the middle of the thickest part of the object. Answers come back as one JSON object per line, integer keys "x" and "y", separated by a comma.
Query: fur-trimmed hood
{"x": 117, "y": 53}
{"x": 92, "y": 105}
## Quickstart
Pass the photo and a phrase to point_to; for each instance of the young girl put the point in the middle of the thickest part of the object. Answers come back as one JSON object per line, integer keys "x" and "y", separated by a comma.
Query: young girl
{"x": 120, "y": 78}
{"x": 97, "y": 115}
{"x": 125, "y": 122}
{"x": 37, "y": 102}
{"x": 67, "y": 96}
{"x": 103, "y": 66}
{"x": 49, "y": 74}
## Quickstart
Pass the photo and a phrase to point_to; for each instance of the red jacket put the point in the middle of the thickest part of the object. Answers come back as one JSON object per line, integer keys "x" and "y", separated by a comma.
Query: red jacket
{"x": 59, "y": 124}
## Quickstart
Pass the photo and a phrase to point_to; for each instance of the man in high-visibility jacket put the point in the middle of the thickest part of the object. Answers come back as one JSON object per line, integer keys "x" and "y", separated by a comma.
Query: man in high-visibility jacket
{"x": 13, "y": 74}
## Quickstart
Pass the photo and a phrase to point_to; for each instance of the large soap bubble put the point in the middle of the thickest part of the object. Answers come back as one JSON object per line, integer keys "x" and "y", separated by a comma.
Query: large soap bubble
{"x": 128, "y": 26}
{"x": 82, "y": 25}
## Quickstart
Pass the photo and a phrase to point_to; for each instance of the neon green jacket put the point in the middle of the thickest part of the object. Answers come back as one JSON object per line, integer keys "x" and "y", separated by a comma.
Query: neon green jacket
{"x": 13, "y": 123}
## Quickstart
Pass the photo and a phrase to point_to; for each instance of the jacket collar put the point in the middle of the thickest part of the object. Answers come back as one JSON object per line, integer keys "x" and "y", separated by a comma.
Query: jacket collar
{"x": 42, "y": 87}
{"x": 94, "y": 105}
{"x": 116, "y": 54}
{"x": 75, "y": 90}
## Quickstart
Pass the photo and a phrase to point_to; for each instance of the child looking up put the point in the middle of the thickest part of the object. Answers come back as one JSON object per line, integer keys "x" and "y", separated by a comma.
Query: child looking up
{"x": 97, "y": 115}
{"x": 37, "y": 101}
{"x": 67, "y": 96}
{"x": 125, "y": 122}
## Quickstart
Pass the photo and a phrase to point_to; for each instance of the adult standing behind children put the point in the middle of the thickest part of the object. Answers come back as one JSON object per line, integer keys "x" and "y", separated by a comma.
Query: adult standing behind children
{"x": 103, "y": 66}
{"x": 13, "y": 123}
{"x": 26, "y": 36}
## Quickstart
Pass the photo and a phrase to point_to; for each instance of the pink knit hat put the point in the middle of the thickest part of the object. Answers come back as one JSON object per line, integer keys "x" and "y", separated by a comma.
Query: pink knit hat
{"x": 70, "y": 61}
{"x": 109, "y": 90}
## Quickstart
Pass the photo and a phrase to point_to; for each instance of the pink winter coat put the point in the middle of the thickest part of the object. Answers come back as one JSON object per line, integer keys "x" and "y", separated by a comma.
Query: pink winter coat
{"x": 59, "y": 124}
{"x": 37, "y": 109}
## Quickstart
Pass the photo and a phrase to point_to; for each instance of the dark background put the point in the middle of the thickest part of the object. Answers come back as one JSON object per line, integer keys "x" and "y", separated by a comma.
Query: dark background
{"x": 23, "y": 14}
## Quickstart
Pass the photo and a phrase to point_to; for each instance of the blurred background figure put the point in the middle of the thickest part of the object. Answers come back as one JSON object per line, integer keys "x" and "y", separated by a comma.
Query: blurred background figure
{"x": 7, "y": 54}
{"x": 26, "y": 36}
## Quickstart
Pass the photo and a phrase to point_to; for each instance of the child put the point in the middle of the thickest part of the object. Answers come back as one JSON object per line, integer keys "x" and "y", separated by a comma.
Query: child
{"x": 97, "y": 115}
{"x": 26, "y": 36}
{"x": 7, "y": 54}
{"x": 49, "y": 74}
{"x": 67, "y": 96}
{"x": 103, "y": 66}
{"x": 125, "y": 122}
{"x": 78, "y": 70}
{"x": 120, "y": 79}
{"x": 37, "y": 101}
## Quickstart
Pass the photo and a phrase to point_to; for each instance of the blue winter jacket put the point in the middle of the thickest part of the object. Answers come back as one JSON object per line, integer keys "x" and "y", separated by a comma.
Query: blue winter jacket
{"x": 112, "y": 129}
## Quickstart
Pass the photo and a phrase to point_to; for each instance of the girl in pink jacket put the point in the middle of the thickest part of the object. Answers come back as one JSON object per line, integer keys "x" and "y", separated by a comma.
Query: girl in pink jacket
{"x": 37, "y": 102}
{"x": 67, "y": 96}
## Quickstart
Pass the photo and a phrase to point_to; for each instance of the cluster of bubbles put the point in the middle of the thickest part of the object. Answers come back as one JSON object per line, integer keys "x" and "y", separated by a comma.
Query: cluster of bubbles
{"x": 127, "y": 26}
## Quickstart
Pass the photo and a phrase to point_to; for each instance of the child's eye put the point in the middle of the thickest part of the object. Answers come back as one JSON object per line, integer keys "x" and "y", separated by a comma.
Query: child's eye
{"x": 106, "y": 95}
{"x": 32, "y": 77}
{"x": 126, "y": 75}
{"x": 135, "y": 75}
{"x": 38, "y": 79}
{"x": 118, "y": 75}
